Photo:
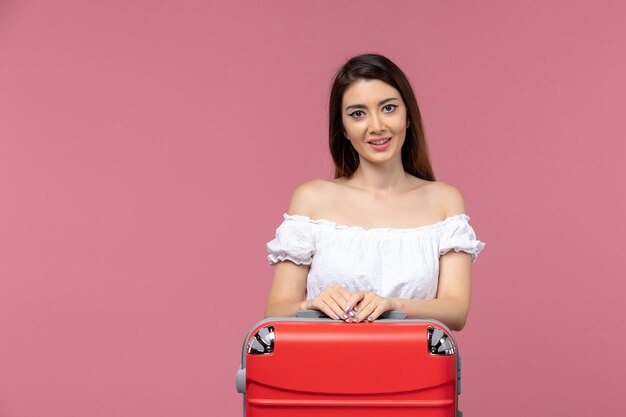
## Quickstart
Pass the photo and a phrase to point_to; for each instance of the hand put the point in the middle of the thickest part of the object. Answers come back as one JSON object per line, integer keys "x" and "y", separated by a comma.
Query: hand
{"x": 332, "y": 302}
{"x": 368, "y": 306}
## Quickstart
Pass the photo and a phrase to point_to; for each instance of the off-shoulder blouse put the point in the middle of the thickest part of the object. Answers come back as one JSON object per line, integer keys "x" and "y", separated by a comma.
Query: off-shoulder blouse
{"x": 393, "y": 262}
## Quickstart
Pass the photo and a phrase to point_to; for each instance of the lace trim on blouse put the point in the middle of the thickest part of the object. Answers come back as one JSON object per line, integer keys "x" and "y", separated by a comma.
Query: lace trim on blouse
{"x": 295, "y": 237}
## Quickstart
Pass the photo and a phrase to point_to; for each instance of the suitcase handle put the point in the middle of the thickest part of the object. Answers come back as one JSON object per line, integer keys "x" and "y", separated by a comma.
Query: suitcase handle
{"x": 317, "y": 314}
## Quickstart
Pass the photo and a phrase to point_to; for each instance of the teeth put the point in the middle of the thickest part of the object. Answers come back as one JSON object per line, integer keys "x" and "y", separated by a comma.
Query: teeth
{"x": 379, "y": 142}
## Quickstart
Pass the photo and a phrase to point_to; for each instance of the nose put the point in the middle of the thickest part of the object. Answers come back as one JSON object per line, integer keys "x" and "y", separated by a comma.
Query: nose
{"x": 376, "y": 123}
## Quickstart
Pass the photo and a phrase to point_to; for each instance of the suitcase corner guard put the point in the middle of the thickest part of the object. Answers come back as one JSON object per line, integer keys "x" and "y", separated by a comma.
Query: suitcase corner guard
{"x": 240, "y": 381}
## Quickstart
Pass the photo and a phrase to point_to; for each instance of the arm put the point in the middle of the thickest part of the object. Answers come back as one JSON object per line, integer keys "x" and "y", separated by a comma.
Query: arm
{"x": 288, "y": 294}
{"x": 452, "y": 303}
{"x": 288, "y": 290}
{"x": 450, "y": 307}
{"x": 453, "y": 294}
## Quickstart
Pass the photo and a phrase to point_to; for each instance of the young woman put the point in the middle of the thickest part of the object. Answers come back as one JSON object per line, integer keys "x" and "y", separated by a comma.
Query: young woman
{"x": 383, "y": 234}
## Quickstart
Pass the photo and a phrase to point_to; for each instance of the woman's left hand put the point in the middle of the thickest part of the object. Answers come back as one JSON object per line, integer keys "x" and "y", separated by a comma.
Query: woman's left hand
{"x": 368, "y": 306}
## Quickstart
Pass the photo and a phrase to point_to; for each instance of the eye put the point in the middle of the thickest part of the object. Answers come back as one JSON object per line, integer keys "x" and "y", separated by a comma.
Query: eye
{"x": 355, "y": 115}
{"x": 390, "y": 107}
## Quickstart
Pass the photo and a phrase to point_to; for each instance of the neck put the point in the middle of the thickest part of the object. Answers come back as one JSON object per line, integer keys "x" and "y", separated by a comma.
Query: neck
{"x": 381, "y": 179}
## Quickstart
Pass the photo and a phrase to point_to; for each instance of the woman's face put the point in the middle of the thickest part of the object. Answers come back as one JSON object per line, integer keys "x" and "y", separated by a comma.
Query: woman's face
{"x": 375, "y": 120}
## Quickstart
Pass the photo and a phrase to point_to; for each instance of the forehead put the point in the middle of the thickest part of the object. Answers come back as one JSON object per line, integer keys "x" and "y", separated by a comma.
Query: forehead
{"x": 368, "y": 92}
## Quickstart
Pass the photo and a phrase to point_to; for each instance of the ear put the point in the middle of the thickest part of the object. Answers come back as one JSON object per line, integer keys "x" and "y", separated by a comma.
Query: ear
{"x": 408, "y": 123}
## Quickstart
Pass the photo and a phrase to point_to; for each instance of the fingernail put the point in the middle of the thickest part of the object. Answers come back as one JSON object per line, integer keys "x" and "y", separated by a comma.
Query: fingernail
{"x": 370, "y": 318}
{"x": 345, "y": 316}
{"x": 346, "y": 309}
{"x": 356, "y": 309}
{"x": 352, "y": 313}
{"x": 336, "y": 317}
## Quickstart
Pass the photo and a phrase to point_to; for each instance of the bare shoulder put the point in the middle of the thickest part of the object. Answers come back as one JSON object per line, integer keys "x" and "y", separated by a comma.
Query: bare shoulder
{"x": 307, "y": 197}
{"x": 449, "y": 198}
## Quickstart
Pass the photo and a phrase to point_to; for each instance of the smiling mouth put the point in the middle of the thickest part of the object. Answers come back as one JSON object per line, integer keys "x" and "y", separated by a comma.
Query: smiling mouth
{"x": 379, "y": 141}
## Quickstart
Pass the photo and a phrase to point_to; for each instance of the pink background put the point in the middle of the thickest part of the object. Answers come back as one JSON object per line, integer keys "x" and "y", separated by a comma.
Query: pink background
{"x": 149, "y": 148}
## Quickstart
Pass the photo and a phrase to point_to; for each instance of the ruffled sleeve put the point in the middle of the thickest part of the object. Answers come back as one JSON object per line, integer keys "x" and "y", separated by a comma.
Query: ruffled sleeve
{"x": 458, "y": 235}
{"x": 295, "y": 241}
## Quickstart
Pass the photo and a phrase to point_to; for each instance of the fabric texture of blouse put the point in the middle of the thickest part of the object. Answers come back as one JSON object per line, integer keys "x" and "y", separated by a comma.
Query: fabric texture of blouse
{"x": 392, "y": 262}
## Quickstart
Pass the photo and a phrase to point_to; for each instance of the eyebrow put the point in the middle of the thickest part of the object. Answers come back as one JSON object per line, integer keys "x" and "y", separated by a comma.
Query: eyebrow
{"x": 363, "y": 106}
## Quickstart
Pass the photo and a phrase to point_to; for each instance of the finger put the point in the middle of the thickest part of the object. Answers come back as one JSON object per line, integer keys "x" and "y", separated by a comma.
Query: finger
{"x": 376, "y": 313}
{"x": 335, "y": 306}
{"x": 345, "y": 293}
{"x": 367, "y": 298}
{"x": 365, "y": 310}
{"x": 340, "y": 300}
{"x": 322, "y": 306}
{"x": 354, "y": 300}
{"x": 326, "y": 297}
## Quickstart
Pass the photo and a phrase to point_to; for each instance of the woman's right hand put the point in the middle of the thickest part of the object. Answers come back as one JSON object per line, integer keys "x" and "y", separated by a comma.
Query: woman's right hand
{"x": 331, "y": 301}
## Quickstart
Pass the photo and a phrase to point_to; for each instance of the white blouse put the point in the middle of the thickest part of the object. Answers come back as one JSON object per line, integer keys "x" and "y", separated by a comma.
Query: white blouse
{"x": 391, "y": 262}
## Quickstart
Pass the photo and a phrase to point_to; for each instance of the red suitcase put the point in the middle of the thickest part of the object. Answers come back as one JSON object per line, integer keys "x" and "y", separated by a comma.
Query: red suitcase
{"x": 319, "y": 367}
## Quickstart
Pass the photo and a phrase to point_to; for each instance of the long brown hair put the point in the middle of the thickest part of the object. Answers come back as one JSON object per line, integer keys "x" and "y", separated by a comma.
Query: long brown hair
{"x": 415, "y": 158}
